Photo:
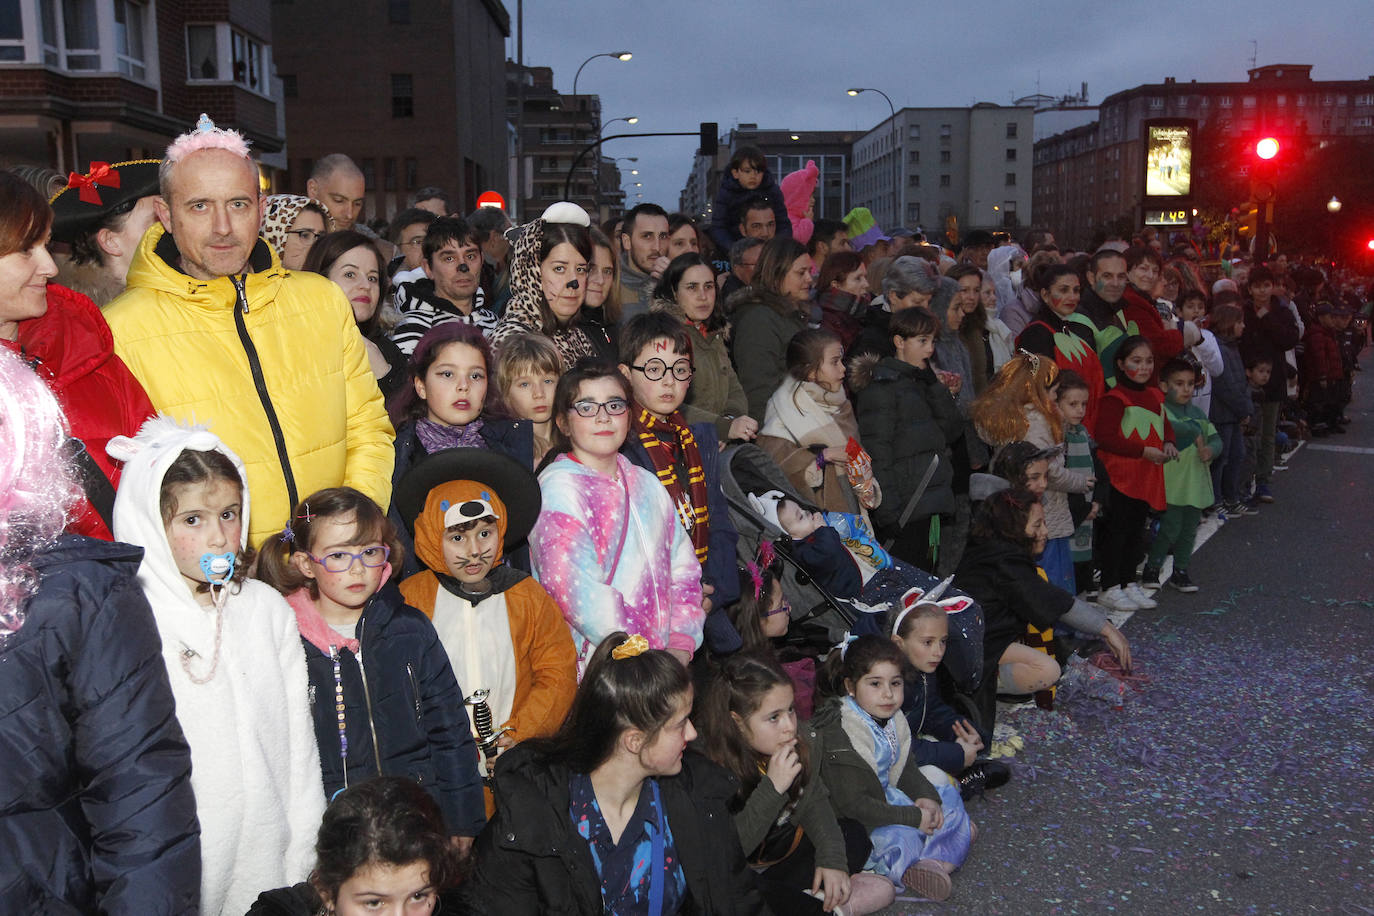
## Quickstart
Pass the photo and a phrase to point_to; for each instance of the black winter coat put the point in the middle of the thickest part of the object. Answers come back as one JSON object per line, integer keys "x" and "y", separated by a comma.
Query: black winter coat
{"x": 1231, "y": 401}
{"x": 96, "y": 810}
{"x": 906, "y": 417}
{"x": 411, "y": 703}
{"x": 928, "y": 714}
{"x": 512, "y": 438}
{"x": 1002, "y": 576}
{"x": 1269, "y": 338}
{"x": 530, "y": 858}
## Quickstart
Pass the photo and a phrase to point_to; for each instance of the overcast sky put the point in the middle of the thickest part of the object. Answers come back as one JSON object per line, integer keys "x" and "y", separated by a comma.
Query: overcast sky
{"x": 786, "y": 63}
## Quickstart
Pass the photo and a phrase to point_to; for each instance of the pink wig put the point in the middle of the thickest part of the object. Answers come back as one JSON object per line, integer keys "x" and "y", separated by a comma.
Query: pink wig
{"x": 38, "y": 489}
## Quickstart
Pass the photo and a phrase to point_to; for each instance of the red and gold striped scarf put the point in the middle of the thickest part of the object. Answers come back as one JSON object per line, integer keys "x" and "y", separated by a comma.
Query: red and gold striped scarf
{"x": 662, "y": 439}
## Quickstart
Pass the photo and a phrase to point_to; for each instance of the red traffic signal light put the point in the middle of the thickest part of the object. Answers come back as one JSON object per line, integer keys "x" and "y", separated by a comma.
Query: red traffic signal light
{"x": 1370, "y": 244}
{"x": 1267, "y": 148}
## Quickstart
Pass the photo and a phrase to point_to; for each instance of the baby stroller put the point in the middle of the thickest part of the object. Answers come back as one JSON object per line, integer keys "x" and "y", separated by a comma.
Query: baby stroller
{"x": 747, "y": 470}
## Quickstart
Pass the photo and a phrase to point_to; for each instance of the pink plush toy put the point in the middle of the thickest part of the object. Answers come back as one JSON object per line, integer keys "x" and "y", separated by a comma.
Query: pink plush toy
{"x": 798, "y": 192}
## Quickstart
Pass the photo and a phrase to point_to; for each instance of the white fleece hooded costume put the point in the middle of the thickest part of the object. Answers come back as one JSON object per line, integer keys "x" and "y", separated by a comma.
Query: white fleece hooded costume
{"x": 254, "y": 762}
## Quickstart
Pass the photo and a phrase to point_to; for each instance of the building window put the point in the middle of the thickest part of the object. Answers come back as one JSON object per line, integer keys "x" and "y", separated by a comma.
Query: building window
{"x": 11, "y": 31}
{"x": 248, "y": 59}
{"x": 1011, "y": 130}
{"x": 1011, "y": 179}
{"x": 944, "y": 156}
{"x": 202, "y": 53}
{"x": 1011, "y": 154}
{"x": 913, "y": 213}
{"x": 945, "y": 131}
{"x": 129, "y": 17}
{"x": 1224, "y": 101}
{"x": 1156, "y": 102}
{"x": 223, "y": 54}
{"x": 1362, "y": 122}
{"x": 398, "y": 12}
{"x": 913, "y": 181}
{"x": 944, "y": 181}
{"x": 82, "y": 34}
{"x": 1281, "y": 100}
{"x": 388, "y": 174}
{"x": 1367, "y": 99}
{"x": 402, "y": 95}
{"x": 913, "y": 132}
{"x": 914, "y": 157}
{"x": 1248, "y": 101}
{"x": 369, "y": 169}
{"x": 288, "y": 85}
{"x": 412, "y": 170}
{"x": 1343, "y": 100}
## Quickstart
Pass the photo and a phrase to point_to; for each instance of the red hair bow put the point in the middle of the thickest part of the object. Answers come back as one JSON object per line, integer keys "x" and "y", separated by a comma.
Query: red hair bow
{"x": 101, "y": 174}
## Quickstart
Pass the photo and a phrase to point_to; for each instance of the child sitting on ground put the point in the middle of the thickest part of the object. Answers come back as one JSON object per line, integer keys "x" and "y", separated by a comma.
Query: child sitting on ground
{"x": 332, "y": 564}
{"x": 762, "y": 617}
{"x": 748, "y": 724}
{"x": 920, "y": 832}
{"x": 1187, "y": 479}
{"x": 952, "y": 741}
{"x": 505, "y": 637}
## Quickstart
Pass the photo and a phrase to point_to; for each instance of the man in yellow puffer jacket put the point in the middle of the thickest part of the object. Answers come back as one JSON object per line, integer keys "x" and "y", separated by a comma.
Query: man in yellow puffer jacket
{"x": 219, "y": 333}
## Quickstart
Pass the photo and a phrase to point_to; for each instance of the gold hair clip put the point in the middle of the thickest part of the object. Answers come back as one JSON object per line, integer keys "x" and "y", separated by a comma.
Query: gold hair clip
{"x": 1032, "y": 358}
{"x": 635, "y": 645}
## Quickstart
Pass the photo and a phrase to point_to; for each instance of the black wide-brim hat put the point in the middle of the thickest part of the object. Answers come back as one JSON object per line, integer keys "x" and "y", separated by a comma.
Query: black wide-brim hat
{"x": 514, "y": 484}
{"x": 87, "y": 199}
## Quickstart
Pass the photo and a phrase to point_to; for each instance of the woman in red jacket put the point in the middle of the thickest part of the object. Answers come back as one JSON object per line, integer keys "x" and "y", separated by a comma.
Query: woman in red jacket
{"x": 62, "y": 336}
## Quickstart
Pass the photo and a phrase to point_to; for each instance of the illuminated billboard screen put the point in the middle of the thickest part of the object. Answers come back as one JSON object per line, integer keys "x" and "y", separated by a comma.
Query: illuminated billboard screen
{"x": 1168, "y": 160}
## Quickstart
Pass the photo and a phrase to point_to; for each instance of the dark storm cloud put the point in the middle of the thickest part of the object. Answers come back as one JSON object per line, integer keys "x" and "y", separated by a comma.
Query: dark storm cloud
{"x": 786, "y": 64}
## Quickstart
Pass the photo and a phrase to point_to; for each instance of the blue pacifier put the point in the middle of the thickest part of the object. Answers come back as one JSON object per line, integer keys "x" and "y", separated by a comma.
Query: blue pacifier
{"x": 217, "y": 567}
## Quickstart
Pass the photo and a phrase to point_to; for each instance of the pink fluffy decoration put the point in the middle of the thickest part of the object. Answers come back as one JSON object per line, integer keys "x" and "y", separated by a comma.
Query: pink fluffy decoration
{"x": 38, "y": 489}
{"x": 206, "y": 136}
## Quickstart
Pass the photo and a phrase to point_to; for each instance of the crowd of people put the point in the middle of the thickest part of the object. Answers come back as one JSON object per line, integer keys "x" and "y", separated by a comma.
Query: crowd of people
{"x": 508, "y": 625}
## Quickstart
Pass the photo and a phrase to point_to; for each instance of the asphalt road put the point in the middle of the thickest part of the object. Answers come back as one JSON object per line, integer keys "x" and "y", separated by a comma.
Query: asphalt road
{"x": 1240, "y": 778}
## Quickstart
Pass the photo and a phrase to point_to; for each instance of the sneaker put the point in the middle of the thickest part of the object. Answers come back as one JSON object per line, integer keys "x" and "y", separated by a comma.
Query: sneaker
{"x": 1117, "y": 599}
{"x": 1149, "y": 578}
{"x": 1262, "y": 493}
{"x": 1237, "y": 509}
{"x": 983, "y": 776}
{"x": 1180, "y": 582}
{"x": 1252, "y": 506}
{"x": 1140, "y": 596}
{"x": 928, "y": 881}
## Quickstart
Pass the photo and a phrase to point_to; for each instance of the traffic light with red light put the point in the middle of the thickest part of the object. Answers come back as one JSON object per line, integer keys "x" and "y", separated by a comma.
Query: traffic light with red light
{"x": 1267, "y": 148}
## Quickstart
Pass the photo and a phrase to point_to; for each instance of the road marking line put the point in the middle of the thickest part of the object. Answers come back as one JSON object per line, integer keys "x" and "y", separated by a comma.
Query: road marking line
{"x": 1348, "y": 449}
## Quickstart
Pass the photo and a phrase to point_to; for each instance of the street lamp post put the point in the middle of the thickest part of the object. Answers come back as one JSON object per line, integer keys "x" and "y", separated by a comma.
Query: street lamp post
{"x": 632, "y": 119}
{"x": 618, "y": 55}
{"x": 896, "y": 157}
